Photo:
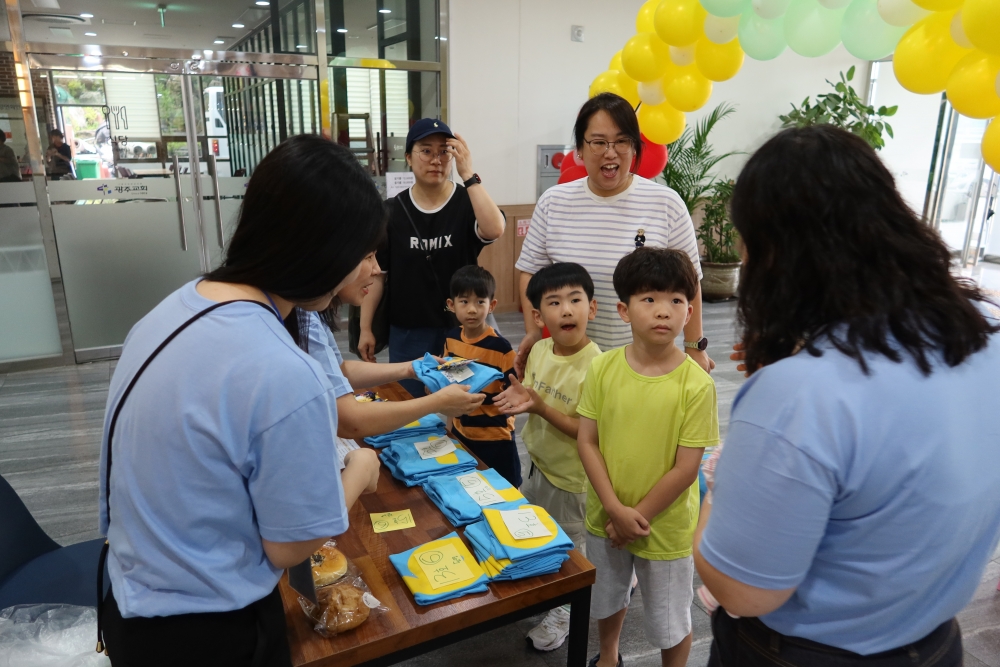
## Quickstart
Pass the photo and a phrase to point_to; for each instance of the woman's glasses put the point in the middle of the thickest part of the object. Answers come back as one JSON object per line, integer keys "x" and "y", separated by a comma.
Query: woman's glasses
{"x": 427, "y": 155}
{"x": 600, "y": 146}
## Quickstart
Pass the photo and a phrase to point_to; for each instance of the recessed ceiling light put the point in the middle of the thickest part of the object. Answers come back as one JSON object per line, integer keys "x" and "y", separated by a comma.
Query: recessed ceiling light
{"x": 86, "y": 16}
{"x": 385, "y": 11}
{"x": 237, "y": 25}
{"x": 262, "y": 3}
{"x": 219, "y": 41}
{"x": 90, "y": 34}
{"x": 301, "y": 46}
{"x": 341, "y": 29}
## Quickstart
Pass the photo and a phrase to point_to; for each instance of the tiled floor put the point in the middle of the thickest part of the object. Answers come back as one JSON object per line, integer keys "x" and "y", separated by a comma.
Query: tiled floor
{"x": 50, "y": 430}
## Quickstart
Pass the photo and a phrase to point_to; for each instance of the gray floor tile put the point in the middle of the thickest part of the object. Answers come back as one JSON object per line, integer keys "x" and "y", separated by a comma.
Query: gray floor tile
{"x": 980, "y": 620}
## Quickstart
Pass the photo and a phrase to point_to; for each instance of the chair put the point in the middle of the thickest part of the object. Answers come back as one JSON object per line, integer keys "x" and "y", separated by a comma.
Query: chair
{"x": 36, "y": 570}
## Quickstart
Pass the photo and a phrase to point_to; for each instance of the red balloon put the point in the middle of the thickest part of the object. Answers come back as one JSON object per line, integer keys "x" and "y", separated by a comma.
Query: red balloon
{"x": 569, "y": 161}
{"x": 573, "y": 174}
{"x": 557, "y": 160}
{"x": 654, "y": 159}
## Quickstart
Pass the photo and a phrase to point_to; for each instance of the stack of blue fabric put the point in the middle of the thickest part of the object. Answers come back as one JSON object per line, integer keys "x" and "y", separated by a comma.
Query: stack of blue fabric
{"x": 504, "y": 558}
{"x": 425, "y": 426}
{"x": 435, "y": 380}
{"x": 452, "y": 498}
{"x": 405, "y": 464}
{"x": 408, "y": 564}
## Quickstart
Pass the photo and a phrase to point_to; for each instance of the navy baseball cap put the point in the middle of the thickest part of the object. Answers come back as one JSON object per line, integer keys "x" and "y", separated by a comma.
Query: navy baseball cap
{"x": 425, "y": 127}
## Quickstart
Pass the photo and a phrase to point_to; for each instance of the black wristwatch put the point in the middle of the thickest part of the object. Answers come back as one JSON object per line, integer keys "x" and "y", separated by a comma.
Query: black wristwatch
{"x": 700, "y": 344}
{"x": 473, "y": 180}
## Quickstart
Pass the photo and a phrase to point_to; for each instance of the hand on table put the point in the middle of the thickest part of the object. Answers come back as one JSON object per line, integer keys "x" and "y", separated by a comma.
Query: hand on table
{"x": 517, "y": 399}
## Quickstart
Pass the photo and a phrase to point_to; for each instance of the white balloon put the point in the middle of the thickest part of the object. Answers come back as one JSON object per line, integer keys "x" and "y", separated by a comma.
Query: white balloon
{"x": 721, "y": 30}
{"x": 770, "y": 9}
{"x": 651, "y": 93}
{"x": 900, "y": 13}
{"x": 834, "y": 4}
{"x": 682, "y": 55}
{"x": 958, "y": 32}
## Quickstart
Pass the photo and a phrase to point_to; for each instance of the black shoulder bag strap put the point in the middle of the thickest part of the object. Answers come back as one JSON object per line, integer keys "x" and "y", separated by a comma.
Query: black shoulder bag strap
{"x": 426, "y": 248}
{"x": 111, "y": 432}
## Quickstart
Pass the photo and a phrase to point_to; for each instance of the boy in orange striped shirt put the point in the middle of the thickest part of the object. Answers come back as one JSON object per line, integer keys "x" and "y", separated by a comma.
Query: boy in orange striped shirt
{"x": 485, "y": 432}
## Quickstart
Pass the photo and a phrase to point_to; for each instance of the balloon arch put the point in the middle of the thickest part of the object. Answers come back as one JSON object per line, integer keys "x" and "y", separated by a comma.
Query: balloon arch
{"x": 682, "y": 46}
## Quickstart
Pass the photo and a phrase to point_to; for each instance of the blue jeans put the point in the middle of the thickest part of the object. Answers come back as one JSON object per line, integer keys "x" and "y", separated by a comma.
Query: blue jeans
{"x": 410, "y": 344}
{"x": 746, "y": 642}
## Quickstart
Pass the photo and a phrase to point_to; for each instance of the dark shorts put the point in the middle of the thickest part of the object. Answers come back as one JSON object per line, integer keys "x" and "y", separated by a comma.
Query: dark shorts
{"x": 747, "y": 642}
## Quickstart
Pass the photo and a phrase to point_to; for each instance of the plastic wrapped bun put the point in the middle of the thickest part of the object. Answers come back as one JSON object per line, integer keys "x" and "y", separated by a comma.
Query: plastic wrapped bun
{"x": 341, "y": 607}
{"x": 328, "y": 564}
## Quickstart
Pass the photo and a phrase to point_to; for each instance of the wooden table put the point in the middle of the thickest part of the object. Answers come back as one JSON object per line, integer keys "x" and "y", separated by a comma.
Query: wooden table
{"x": 408, "y": 629}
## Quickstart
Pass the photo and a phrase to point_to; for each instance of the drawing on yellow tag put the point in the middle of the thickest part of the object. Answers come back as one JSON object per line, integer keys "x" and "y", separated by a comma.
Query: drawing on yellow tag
{"x": 444, "y": 566}
{"x": 386, "y": 521}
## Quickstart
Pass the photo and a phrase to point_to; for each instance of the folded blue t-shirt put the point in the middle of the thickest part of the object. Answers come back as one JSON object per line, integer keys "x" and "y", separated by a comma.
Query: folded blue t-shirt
{"x": 428, "y": 425}
{"x": 416, "y": 579}
{"x": 405, "y": 464}
{"x": 427, "y": 372}
{"x": 456, "y": 503}
{"x": 486, "y": 548}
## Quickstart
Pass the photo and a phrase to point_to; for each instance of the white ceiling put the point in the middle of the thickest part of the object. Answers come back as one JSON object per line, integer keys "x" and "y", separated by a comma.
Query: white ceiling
{"x": 128, "y": 23}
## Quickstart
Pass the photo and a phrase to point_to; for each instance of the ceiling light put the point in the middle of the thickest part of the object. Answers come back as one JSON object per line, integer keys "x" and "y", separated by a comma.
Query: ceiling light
{"x": 385, "y": 11}
{"x": 262, "y": 3}
{"x": 444, "y": 39}
{"x": 219, "y": 41}
{"x": 301, "y": 46}
{"x": 86, "y": 16}
{"x": 341, "y": 30}
{"x": 90, "y": 34}
{"x": 237, "y": 25}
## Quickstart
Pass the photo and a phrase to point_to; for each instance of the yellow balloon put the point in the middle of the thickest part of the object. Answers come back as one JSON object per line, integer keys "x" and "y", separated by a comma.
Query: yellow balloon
{"x": 661, "y": 124}
{"x": 644, "y": 20}
{"x": 981, "y": 22}
{"x": 926, "y": 55}
{"x": 938, "y": 5}
{"x": 718, "y": 62}
{"x": 629, "y": 88}
{"x": 991, "y": 145}
{"x": 689, "y": 90}
{"x": 972, "y": 85}
{"x": 645, "y": 57}
{"x": 616, "y": 62}
{"x": 680, "y": 22}
{"x": 606, "y": 82}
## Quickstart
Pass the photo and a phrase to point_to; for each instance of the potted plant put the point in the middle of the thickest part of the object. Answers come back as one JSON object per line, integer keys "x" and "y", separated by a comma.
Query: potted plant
{"x": 845, "y": 109}
{"x": 721, "y": 262}
{"x": 689, "y": 174}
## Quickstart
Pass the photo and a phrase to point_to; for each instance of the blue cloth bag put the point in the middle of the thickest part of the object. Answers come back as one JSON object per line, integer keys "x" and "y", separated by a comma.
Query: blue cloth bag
{"x": 433, "y": 379}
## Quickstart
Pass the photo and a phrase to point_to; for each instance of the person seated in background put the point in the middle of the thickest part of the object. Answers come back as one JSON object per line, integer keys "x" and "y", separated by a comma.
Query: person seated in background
{"x": 58, "y": 156}
{"x": 10, "y": 170}
{"x": 485, "y": 431}
{"x": 647, "y": 413}
{"x": 562, "y": 299}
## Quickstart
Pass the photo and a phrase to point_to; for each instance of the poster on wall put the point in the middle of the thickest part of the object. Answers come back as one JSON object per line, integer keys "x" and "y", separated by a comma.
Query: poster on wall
{"x": 397, "y": 181}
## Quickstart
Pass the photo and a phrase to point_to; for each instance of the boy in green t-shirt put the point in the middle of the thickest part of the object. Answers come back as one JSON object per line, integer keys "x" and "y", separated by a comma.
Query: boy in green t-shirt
{"x": 562, "y": 299}
{"x": 647, "y": 413}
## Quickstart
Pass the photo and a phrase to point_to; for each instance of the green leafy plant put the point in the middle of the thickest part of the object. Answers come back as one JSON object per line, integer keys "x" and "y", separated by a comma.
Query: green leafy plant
{"x": 717, "y": 234}
{"x": 692, "y": 158}
{"x": 844, "y": 108}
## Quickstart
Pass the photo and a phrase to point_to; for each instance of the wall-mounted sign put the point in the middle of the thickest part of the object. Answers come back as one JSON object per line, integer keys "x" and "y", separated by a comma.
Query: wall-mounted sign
{"x": 522, "y": 226}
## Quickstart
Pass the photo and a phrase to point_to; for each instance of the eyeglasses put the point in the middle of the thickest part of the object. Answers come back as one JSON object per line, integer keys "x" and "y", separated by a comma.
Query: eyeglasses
{"x": 428, "y": 155}
{"x": 600, "y": 146}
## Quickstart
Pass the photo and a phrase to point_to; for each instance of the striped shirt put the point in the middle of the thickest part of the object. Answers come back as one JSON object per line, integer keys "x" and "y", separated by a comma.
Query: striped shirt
{"x": 485, "y": 423}
{"x": 572, "y": 224}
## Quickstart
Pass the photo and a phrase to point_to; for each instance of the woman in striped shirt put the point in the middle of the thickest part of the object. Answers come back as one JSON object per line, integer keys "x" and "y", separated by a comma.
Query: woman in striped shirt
{"x": 595, "y": 221}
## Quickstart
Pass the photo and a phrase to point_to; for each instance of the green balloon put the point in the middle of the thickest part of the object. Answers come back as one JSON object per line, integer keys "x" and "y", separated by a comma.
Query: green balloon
{"x": 761, "y": 39}
{"x": 811, "y": 29}
{"x": 725, "y": 8}
{"x": 865, "y": 34}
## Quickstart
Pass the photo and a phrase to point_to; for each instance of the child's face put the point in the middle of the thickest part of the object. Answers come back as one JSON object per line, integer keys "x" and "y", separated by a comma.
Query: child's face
{"x": 566, "y": 311}
{"x": 657, "y": 318}
{"x": 471, "y": 310}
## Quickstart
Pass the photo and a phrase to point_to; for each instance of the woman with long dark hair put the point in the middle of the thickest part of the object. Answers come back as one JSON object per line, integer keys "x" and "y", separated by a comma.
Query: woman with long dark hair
{"x": 218, "y": 463}
{"x": 857, "y": 500}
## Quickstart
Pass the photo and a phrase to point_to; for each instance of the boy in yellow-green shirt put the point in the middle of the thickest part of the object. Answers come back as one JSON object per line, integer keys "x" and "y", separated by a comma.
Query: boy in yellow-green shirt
{"x": 562, "y": 299}
{"x": 647, "y": 413}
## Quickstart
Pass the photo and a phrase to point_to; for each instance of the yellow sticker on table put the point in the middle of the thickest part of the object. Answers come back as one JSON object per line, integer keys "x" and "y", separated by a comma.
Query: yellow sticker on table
{"x": 444, "y": 566}
{"x": 386, "y": 521}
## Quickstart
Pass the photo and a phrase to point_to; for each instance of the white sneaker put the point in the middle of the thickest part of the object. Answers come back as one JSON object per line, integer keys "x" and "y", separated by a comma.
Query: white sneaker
{"x": 551, "y": 632}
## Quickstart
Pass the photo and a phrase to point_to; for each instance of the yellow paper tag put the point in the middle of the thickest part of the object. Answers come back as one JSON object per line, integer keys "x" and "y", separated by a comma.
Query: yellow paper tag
{"x": 386, "y": 521}
{"x": 444, "y": 566}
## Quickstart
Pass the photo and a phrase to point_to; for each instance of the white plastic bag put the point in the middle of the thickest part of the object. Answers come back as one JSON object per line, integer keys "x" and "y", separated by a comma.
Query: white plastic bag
{"x": 49, "y": 635}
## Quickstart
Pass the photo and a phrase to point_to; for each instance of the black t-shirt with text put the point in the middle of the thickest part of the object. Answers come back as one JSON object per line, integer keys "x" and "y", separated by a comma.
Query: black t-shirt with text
{"x": 449, "y": 236}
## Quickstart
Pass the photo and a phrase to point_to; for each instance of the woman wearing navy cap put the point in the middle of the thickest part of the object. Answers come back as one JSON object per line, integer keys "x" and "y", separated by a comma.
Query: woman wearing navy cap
{"x": 435, "y": 228}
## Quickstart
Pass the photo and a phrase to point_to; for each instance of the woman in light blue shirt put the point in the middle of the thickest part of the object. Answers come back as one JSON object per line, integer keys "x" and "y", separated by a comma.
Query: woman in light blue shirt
{"x": 218, "y": 464}
{"x": 857, "y": 500}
